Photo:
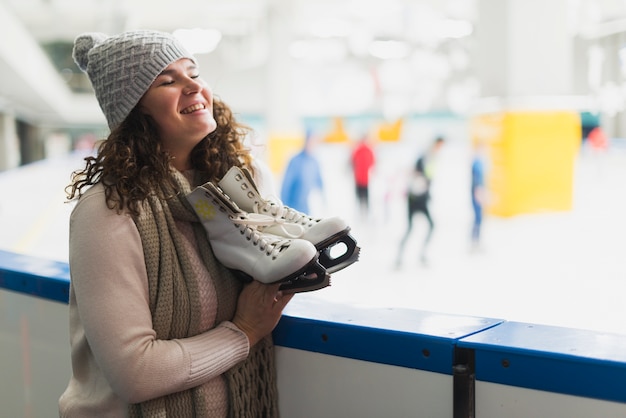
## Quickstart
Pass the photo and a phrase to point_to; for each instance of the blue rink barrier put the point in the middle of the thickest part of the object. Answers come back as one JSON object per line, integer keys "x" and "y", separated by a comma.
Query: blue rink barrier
{"x": 475, "y": 356}
{"x": 553, "y": 359}
{"x": 398, "y": 337}
{"x": 38, "y": 277}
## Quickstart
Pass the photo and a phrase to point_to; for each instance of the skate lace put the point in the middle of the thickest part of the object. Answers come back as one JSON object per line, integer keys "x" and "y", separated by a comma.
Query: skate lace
{"x": 292, "y": 222}
{"x": 248, "y": 224}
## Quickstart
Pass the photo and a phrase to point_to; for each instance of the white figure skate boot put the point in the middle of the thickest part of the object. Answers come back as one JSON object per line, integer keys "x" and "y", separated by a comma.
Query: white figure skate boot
{"x": 328, "y": 234}
{"x": 251, "y": 254}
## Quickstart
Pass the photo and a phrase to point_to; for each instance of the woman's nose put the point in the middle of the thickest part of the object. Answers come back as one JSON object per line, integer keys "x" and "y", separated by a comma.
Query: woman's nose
{"x": 192, "y": 87}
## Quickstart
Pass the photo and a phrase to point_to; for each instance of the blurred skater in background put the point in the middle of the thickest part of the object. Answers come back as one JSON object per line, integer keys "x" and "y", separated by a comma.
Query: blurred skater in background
{"x": 302, "y": 178}
{"x": 478, "y": 193}
{"x": 363, "y": 161}
{"x": 418, "y": 197}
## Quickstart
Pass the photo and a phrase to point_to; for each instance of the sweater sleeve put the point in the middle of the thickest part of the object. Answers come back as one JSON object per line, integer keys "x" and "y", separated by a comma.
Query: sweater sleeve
{"x": 110, "y": 285}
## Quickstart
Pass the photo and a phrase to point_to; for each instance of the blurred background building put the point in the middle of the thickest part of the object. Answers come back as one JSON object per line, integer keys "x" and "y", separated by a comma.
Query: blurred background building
{"x": 279, "y": 62}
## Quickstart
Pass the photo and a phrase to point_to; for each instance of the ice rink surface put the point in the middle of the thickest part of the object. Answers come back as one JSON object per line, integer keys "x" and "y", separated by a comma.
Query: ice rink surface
{"x": 565, "y": 269}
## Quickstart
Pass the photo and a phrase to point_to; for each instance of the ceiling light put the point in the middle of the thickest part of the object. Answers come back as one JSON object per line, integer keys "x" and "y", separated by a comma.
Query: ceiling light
{"x": 330, "y": 28}
{"x": 455, "y": 29}
{"x": 318, "y": 49}
{"x": 199, "y": 41}
{"x": 389, "y": 49}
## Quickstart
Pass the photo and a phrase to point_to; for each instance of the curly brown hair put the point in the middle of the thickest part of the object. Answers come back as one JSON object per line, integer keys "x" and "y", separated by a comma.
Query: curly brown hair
{"x": 131, "y": 164}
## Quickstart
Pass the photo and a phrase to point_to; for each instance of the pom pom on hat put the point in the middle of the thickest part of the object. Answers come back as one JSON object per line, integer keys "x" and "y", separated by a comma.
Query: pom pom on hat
{"x": 82, "y": 45}
{"x": 121, "y": 68}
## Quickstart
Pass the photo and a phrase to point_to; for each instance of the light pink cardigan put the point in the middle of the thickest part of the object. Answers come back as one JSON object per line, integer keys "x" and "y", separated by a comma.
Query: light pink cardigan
{"x": 116, "y": 358}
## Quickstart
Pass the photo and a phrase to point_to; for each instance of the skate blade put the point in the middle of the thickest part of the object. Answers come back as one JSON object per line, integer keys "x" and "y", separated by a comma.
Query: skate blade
{"x": 314, "y": 278}
{"x": 354, "y": 257}
{"x": 305, "y": 284}
{"x": 329, "y": 248}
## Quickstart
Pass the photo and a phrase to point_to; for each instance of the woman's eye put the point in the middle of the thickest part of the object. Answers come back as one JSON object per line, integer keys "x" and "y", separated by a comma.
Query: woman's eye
{"x": 163, "y": 82}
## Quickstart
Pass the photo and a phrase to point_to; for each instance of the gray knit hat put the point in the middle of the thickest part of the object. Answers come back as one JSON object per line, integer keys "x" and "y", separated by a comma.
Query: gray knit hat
{"x": 122, "y": 67}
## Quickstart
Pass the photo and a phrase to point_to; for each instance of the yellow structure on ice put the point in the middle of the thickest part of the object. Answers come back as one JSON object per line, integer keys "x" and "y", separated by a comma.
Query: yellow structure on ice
{"x": 532, "y": 158}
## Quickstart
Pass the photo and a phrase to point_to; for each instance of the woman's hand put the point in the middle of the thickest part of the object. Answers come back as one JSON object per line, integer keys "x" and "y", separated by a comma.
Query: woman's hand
{"x": 259, "y": 309}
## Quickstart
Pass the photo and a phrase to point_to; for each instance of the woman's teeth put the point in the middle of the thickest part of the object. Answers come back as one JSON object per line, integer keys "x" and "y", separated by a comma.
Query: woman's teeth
{"x": 192, "y": 108}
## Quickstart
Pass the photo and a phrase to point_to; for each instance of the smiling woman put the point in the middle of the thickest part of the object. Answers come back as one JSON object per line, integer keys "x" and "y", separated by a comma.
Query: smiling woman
{"x": 181, "y": 105}
{"x": 194, "y": 336}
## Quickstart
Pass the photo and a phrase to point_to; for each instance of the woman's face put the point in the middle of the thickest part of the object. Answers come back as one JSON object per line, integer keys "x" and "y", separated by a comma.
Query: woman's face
{"x": 181, "y": 104}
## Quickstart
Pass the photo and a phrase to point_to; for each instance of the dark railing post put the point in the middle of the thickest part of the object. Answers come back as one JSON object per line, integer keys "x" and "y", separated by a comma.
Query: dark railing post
{"x": 463, "y": 372}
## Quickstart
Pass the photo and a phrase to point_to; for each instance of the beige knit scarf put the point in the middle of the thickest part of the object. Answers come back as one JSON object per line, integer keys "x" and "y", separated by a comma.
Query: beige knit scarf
{"x": 175, "y": 307}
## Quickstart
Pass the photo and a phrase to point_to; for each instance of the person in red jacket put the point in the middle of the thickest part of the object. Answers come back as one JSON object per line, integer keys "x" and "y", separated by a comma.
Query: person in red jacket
{"x": 363, "y": 160}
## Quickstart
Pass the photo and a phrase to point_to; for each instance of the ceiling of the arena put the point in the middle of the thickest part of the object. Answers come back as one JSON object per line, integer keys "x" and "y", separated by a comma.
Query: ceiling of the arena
{"x": 353, "y": 37}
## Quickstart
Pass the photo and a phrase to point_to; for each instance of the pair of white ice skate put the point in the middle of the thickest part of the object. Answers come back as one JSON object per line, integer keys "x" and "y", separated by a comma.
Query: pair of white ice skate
{"x": 266, "y": 241}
